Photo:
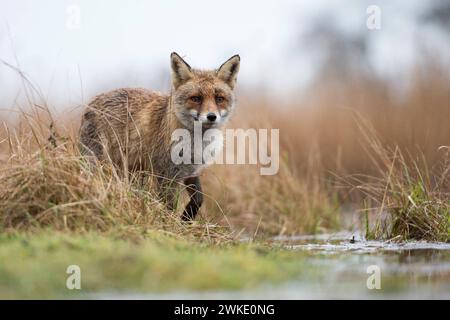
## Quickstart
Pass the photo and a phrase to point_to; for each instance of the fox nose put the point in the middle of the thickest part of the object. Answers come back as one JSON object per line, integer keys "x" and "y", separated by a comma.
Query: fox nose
{"x": 211, "y": 116}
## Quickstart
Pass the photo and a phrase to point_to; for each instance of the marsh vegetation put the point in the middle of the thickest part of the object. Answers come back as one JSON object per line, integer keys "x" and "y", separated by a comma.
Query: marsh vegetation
{"x": 346, "y": 148}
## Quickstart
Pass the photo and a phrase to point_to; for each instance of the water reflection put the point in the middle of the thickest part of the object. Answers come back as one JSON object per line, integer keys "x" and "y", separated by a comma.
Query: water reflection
{"x": 336, "y": 268}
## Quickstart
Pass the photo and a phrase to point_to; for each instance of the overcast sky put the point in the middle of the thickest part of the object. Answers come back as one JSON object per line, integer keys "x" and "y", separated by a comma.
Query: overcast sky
{"x": 127, "y": 43}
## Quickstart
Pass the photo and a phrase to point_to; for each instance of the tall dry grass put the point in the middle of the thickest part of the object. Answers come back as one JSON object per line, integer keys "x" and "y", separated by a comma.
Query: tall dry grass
{"x": 47, "y": 184}
{"x": 407, "y": 199}
{"x": 321, "y": 139}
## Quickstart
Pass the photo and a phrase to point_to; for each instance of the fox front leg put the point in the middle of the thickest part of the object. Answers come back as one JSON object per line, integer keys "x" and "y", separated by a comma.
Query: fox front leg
{"x": 194, "y": 189}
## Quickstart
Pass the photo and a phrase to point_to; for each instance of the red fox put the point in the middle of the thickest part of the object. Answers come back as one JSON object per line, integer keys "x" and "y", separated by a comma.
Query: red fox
{"x": 132, "y": 127}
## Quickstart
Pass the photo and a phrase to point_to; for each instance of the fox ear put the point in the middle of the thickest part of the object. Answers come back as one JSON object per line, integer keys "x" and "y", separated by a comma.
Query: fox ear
{"x": 181, "y": 71}
{"x": 229, "y": 70}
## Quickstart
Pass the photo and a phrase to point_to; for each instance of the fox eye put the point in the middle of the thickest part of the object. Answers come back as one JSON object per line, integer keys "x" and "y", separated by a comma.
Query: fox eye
{"x": 196, "y": 99}
{"x": 219, "y": 99}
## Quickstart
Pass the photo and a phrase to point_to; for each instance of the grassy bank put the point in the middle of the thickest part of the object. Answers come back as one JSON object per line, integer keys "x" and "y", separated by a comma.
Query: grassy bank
{"x": 34, "y": 266}
{"x": 56, "y": 210}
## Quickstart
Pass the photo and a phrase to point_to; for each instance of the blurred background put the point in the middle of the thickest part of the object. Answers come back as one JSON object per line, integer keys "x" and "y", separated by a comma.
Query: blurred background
{"x": 73, "y": 49}
{"x": 307, "y": 68}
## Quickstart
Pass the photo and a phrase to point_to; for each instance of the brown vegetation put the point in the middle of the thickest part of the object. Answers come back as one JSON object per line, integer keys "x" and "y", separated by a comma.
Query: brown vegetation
{"x": 323, "y": 140}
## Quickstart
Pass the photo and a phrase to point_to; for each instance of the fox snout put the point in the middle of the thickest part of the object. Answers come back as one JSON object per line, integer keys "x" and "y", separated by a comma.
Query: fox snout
{"x": 211, "y": 119}
{"x": 208, "y": 118}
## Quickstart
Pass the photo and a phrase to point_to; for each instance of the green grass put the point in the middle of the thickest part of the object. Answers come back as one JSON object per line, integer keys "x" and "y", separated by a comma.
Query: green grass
{"x": 34, "y": 266}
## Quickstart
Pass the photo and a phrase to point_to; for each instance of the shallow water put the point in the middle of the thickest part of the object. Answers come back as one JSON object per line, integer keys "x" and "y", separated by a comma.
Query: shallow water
{"x": 337, "y": 267}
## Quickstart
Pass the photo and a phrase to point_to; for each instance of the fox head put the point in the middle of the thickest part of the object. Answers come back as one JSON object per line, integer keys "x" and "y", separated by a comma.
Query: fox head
{"x": 204, "y": 96}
